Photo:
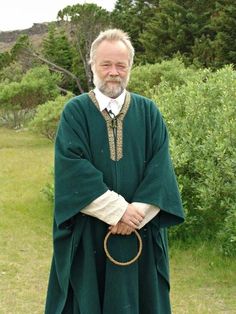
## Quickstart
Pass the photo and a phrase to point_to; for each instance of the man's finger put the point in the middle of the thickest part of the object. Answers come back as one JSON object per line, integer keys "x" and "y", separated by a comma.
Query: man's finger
{"x": 113, "y": 229}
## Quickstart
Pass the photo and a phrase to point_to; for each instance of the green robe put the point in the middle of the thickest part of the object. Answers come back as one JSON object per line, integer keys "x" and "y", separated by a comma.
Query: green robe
{"x": 129, "y": 155}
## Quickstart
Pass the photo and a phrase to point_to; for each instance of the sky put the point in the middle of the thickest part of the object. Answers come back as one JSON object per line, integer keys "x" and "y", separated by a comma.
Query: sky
{"x": 22, "y": 14}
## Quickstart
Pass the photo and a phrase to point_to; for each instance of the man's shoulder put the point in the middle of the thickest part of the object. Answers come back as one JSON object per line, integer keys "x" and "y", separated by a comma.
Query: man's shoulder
{"x": 144, "y": 101}
{"x": 139, "y": 97}
{"x": 80, "y": 99}
{"x": 77, "y": 102}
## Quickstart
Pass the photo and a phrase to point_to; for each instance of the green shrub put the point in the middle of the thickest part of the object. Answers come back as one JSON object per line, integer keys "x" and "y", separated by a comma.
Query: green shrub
{"x": 17, "y": 99}
{"x": 227, "y": 235}
{"x": 47, "y": 116}
{"x": 12, "y": 73}
{"x": 145, "y": 77}
{"x": 48, "y": 191}
{"x": 201, "y": 121}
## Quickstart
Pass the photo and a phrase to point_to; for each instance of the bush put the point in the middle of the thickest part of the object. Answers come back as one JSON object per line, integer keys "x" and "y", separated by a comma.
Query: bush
{"x": 227, "y": 236}
{"x": 47, "y": 116}
{"x": 12, "y": 73}
{"x": 146, "y": 77}
{"x": 17, "y": 99}
{"x": 201, "y": 119}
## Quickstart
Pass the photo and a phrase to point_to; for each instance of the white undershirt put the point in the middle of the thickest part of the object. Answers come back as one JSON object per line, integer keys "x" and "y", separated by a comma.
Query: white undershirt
{"x": 110, "y": 206}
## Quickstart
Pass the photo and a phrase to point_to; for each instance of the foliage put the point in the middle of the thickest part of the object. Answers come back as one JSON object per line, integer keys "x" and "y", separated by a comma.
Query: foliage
{"x": 199, "y": 108}
{"x": 5, "y": 59}
{"x": 200, "y": 115}
{"x": 85, "y": 23}
{"x": 22, "y": 42}
{"x": 17, "y": 99}
{"x": 224, "y": 23}
{"x": 48, "y": 191}
{"x": 57, "y": 48}
{"x": 47, "y": 116}
{"x": 133, "y": 16}
{"x": 175, "y": 27}
{"x": 227, "y": 235}
{"x": 202, "y": 32}
{"x": 12, "y": 73}
{"x": 145, "y": 77}
{"x": 20, "y": 52}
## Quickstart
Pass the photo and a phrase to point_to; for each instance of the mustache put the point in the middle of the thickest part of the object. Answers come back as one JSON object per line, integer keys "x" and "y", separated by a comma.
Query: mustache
{"x": 113, "y": 79}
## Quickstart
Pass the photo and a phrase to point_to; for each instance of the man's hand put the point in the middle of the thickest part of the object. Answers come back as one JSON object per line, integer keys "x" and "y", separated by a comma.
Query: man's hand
{"x": 132, "y": 216}
{"x": 121, "y": 228}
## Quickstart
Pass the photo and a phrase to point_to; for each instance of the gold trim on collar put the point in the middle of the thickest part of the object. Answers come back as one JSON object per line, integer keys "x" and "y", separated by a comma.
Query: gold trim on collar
{"x": 118, "y": 150}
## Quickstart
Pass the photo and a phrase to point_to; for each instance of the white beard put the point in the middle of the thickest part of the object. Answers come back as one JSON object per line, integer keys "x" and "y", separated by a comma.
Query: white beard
{"x": 110, "y": 91}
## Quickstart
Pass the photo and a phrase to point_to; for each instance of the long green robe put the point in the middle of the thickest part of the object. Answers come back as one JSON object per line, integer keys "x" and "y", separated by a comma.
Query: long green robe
{"x": 129, "y": 155}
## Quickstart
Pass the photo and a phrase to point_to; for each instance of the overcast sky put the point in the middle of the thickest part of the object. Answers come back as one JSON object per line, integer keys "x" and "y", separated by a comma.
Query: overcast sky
{"x": 21, "y": 14}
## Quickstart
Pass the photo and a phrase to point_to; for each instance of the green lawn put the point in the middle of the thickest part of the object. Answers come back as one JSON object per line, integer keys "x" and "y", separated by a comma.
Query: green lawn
{"x": 25, "y": 222}
{"x": 202, "y": 280}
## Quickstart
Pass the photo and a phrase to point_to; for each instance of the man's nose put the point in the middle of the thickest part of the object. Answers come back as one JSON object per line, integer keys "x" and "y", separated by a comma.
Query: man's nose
{"x": 113, "y": 70}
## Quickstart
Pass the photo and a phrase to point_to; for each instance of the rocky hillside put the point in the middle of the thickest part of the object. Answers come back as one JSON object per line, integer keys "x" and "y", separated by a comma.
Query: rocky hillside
{"x": 36, "y": 34}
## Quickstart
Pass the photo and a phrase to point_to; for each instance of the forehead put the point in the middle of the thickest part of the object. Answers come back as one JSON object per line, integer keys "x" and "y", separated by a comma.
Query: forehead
{"x": 115, "y": 51}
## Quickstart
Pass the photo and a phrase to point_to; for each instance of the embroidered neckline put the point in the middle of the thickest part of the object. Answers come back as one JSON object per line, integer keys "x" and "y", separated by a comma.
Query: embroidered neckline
{"x": 114, "y": 155}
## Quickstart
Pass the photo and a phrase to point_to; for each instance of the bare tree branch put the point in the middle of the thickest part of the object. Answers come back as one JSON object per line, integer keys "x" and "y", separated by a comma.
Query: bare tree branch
{"x": 60, "y": 69}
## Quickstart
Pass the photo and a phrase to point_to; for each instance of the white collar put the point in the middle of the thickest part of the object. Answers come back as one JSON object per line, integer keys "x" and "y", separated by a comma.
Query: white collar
{"x": 104, "y": 100}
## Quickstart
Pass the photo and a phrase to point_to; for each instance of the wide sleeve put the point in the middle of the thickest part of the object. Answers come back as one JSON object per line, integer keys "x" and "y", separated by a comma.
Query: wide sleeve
{"x": 77, "y": 181}
{"x": 109, "y": 207}
{"x": 159, "y": 186}
{"x": 150, "y": 212}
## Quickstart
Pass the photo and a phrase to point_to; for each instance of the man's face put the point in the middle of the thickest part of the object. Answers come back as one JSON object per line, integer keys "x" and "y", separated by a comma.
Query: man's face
{"x": 111, "y": 68}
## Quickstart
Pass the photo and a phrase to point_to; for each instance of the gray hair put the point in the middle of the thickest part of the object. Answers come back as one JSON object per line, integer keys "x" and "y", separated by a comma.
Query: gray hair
{"x": 112, "y": 35}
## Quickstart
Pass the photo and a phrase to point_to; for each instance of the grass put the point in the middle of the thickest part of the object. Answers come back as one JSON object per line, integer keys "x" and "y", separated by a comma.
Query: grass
{"x": 25, "y": 223}
{"x": 202, "y": 280}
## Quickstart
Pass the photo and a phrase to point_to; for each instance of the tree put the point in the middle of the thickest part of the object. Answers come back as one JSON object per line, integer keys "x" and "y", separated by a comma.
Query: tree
{"x": 24, "y": 52}
{"x": 5, "y": 59}
{"x": 132, "y": 16}
{"x": 19, "y": 52}
{"x": 203, "y": 52}
{"x": 84, "y": 22}
{"x": 57, "y": 48}
{"x": 123, "y": 17}
{"x": 12, "y": 73}
{"x": 169, "y": 32}
{"x": 48, "y": 115}
{"x": 56, "y": 68}
{"x": 215, "y": 46}
{"x": 18, "y": 99}
{"x": 203, "y": 32}
{"x": 224, "y": 23}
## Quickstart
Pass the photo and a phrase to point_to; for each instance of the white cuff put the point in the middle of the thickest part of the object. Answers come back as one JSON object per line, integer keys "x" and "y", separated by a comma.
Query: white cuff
{"x": 109, "y": 207}
{"x": 150, "y": 212}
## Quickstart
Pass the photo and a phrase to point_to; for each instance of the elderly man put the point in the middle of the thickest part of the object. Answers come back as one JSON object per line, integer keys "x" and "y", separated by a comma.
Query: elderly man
{"x": 113, "y": 173}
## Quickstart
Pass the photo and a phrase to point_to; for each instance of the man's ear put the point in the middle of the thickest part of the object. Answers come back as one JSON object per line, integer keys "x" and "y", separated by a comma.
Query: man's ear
{"x": 92, "y": 66}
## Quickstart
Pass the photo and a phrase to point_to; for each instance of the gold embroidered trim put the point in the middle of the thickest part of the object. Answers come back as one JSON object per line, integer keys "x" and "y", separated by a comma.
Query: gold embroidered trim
{"x": 119, "y": 120}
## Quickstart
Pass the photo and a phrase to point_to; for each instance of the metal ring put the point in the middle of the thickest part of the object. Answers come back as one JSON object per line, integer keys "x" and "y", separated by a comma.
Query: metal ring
{"x": 128, "y": 262}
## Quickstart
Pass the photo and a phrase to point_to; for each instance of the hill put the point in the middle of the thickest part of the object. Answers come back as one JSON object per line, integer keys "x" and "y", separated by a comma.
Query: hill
{"x": 36, "y": 34}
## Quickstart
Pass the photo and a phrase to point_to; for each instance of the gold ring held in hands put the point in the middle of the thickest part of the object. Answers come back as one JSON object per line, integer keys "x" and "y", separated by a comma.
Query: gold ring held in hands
{"x": 128, "y": 262}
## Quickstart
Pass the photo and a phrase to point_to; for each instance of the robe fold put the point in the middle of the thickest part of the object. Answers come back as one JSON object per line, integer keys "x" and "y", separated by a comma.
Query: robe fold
{"x": 130, "y": 157}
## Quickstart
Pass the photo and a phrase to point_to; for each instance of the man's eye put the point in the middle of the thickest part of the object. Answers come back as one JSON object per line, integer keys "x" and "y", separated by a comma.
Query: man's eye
{"x": 121, "y": 67}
